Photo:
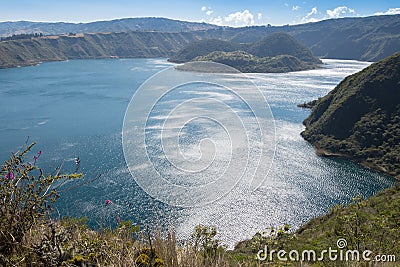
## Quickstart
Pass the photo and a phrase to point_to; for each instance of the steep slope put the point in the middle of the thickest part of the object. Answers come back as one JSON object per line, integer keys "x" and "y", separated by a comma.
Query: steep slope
{"x": 370, "y": 224}
{"x": 282, "y": 44}
{"x": 202, "y": 48}
{"x": 360, "y": 118}
{"x": 87, "y": 46}
{"x": 118, "y": 25}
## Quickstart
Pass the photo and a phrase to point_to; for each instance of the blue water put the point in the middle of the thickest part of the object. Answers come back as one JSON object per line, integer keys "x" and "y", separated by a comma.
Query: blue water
{"x": 76, "y": 109}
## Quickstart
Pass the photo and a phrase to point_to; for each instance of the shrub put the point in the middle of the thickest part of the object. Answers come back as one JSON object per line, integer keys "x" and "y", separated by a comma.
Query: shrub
{"x": 26, "y": 195}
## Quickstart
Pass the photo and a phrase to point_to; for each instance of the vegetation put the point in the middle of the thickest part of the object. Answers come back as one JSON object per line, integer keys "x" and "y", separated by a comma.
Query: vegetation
{"x": 21, "y": 36}
{"x": 277, "y": 52}
{"x": 26, "y": 194}
{"x": 359, "y": 119}
{"x": 246, "y": 62}
{"x": 282, "y": 44}
{"x": 29, "y": 237}
{"x": 202, "y": 48}
{"x": 370, "y": 224}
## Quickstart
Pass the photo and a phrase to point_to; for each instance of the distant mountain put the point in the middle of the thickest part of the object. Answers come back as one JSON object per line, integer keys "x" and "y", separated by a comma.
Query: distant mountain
{"x": 360, "y": 118}
{"x": 278, "y": 52}
{"x": 118, "y": 25}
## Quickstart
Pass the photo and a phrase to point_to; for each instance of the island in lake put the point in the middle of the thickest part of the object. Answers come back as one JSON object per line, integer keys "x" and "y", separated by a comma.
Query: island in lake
{"x": 278, "y": 52}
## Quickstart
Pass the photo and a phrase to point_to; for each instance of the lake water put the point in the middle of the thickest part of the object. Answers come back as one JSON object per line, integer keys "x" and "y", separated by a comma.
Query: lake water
{"x": 76, "y": 109}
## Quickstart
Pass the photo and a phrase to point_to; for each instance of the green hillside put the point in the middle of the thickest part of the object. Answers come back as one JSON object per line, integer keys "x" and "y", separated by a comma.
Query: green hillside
{"x": 360, "y": 118}
{"x": 278, "y": 52}
{"x": 249, "y": 63}
{"x": 370, "y": 224}
{"x": 202, "y": 48}
{"x": 282, "y": 44}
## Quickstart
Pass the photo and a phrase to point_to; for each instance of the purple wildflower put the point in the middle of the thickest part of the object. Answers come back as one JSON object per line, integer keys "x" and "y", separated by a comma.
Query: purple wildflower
{"x": 37, "y": 156}
{"x": 9, "y": 176}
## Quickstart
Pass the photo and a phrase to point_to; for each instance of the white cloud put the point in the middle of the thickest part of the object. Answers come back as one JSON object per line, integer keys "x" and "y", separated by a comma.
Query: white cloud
{"x": 238, "y": 19}
{"x": 308, "y": 17}
{"x": 390, "y": 11}
{"x": 286, "y": 4}
{"x": 244, "y": 18}
{"x": 217, "y": 21}
{"x": 295, "y": 8}
{"x": 340, "y": 11}
{"x": 207, "y": 10}
{"x": 313, "y": 11}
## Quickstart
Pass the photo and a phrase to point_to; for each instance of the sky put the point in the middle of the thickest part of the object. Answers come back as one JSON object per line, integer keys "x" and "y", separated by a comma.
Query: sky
{"x": 220, "y": 12}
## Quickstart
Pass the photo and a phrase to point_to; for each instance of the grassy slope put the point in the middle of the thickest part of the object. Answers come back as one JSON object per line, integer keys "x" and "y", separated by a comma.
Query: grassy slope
{"x": 248, "y": 63}
{"x": 371, "y": 224}
{"x": 282, "y": 44}
{"x": 202, "y": 48}
{"x": 359, "y": 119}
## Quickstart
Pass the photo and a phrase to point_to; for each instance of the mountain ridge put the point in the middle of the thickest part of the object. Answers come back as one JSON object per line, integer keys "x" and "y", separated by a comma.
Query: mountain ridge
{"x": 27, "y": 52}
{"x": 367, "y": 39}
{"x": 9, "y": 28}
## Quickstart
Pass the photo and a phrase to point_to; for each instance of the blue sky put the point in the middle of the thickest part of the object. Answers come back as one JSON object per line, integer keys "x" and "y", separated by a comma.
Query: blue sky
{"x": 222, "y": 12}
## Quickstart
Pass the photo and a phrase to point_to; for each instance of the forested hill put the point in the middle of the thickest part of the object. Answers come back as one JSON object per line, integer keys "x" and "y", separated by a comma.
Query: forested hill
{"x": 360, "y": 118}
{"x": 270, "y": 46}
{"x": 277, "y": 52}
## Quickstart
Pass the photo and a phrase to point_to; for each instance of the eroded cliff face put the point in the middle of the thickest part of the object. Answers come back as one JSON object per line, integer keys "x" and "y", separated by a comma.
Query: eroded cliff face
{"x": 27, "y": 52}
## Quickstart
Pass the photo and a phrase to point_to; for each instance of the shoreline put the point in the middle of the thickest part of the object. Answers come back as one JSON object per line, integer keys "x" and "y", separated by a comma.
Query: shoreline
{"x": 369, "y": 165}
